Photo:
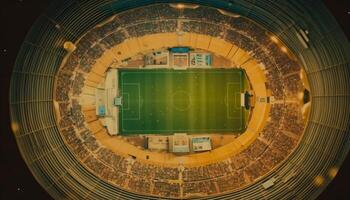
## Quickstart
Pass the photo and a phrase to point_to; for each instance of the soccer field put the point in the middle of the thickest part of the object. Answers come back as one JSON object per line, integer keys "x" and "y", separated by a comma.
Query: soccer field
{"x": 166, "y": 101}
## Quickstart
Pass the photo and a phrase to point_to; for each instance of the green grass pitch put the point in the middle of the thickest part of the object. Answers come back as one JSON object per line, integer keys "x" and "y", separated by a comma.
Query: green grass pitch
{"x": 166, "y": 101}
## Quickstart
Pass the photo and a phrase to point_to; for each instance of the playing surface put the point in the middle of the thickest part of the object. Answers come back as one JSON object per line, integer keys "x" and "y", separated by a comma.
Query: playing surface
{"x": 181, "y": 101}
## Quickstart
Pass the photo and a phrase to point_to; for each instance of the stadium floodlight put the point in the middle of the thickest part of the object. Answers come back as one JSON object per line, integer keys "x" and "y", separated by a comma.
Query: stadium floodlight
{"x": 284, "y": 49}
{"x": 69, "y": 46}
{"x": 274, "y": 39}
{"x": 183, "y": 6}
{"x": 230, "y": 14}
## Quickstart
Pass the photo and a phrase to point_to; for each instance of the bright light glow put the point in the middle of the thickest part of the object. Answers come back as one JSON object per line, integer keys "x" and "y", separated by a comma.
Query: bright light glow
{"x": 69, "y": 46}
{"x": 319, "y": 181}
{"x": 180, "y": 6}
{"x": 14, "y": 127}
{"x": 284, "y": 49}
{"x": 274, "y": 39}
{"x": 230, "y": 14}
{"x": 333, "y": 172}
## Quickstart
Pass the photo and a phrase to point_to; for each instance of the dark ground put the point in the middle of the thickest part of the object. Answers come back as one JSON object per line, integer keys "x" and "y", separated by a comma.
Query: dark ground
{"x": 16, "y": 181}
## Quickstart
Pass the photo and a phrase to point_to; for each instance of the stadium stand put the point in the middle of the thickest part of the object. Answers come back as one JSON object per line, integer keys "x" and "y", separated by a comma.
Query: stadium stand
{"x": 68, "y": 161}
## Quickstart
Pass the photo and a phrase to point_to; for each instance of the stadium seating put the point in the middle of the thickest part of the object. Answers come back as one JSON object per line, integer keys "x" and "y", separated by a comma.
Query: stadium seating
{"x": 68, "y": 161}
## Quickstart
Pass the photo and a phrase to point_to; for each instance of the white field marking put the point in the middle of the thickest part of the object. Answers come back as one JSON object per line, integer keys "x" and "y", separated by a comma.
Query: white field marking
{"x": 227, "y": 100}
{"x": 126, "y": 94}
{"x": 139, "y": 102}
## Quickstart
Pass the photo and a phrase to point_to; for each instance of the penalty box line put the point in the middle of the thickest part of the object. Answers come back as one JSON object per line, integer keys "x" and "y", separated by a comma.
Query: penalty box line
{"x": 227, "y": 99}
{"x": 139, "y": 101}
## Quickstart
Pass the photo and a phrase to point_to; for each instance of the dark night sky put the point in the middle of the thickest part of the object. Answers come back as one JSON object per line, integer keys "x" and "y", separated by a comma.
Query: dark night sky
{"x": 16, "y": 181}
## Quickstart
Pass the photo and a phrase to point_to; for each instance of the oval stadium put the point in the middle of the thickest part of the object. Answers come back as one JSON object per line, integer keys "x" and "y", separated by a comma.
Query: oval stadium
{"x": 214, "y": 99}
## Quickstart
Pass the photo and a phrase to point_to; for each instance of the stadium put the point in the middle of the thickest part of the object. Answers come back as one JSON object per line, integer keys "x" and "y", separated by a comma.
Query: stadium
{"x": 182, "y": 99}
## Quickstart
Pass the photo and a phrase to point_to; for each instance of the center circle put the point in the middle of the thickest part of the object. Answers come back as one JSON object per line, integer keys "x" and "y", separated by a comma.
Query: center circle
{"x": 181, "y": 100}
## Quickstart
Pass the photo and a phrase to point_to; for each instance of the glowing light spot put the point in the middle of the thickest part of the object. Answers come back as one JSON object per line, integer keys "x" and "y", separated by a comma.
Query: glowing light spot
{"x": 274, "y": 39}
{"x": 319, "y": 181}
{"x": 14, "y": 127}
{"x": 284, "y": 49}
{"x": 69, "y": 46}
{"x": 333, "y": 172}
{"x": 180, "y": 6}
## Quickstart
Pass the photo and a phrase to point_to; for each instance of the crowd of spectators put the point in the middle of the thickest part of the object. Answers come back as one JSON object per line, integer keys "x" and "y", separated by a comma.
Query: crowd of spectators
{"x": 70, "y": 136}
{"x": 167, "y": 12}
{"x": 77, "y": 115}
{"x": 223, "y": 176}
{"x": 256, "y": 149}
{"x": 255, "y": 170}
{"x": 71, "y": 63}
{"x": 89, "y": 140}
{"x": 166, "y": 189}
{"x": 65, "y": 113}
{"x": 203, "y": 20}
{"x": 200, "y": 188}
{"x": 269, "y": 149}
{"x": 231, "y": 182}
{"x": 283, "y": 143}
{"x": 113, "y": 39}
{"x": 293, "y": 119}
{"x": 293, "y": 85}
{"x": 95, "y": 164}
{"x": 143, "y": 170}
{"x": 146, "y": 28}
{"x": 166, "y": 173}
{"x": 63, "y": 86}
{"x": 138, "y": 184}
{"x": 168, "y": 26}
{"x": 86, "y": 64}
{"x": 78, "y": 83}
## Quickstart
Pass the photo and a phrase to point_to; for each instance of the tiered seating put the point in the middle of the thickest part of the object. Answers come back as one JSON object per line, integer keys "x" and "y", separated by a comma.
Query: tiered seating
{"x": 252, "y": 163}
{"x": 146, "y": 29}
{"x": 168, "y": 26}
{"x": 113, "y": 39}
{"x": 65, "y": 113}
{"x": 167, "y": 12}
{"x": 166, "y": 189}
{"x": 139, "y": 185}
{"x": 231, "y": 182}
{"x": 78, "y": 83}
{"x": 164, "y": 173}
{"x": 199, "y": 188}
{"x": 64, "y": 82}
{"x": 293, "y": 85}
{"x": 68, "y": 163}
{"x": 293, "y": 121}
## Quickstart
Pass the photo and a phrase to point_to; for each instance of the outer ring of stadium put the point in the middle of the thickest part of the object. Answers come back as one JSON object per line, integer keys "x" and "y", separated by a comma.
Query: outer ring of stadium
{"x": 325, "y": 143}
